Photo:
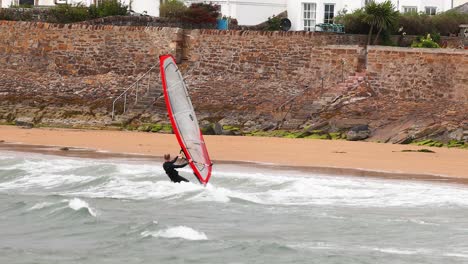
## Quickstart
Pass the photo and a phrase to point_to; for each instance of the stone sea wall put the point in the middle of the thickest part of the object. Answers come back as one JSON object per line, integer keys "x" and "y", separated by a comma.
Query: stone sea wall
{"x": 419, "y": 74}
{"x": 68, "y": 75}
{"x": 67, "y": 64}
{"x": 251, "y": 70}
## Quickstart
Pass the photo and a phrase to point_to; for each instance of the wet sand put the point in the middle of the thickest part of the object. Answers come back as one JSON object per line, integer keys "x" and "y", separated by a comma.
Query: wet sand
{"x": 326, "y": 156}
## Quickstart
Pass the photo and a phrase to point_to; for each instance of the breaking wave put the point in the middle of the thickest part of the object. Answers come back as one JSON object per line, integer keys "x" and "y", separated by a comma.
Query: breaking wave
{"x": 183, "y": 232}
{"x": 237, "y": 184}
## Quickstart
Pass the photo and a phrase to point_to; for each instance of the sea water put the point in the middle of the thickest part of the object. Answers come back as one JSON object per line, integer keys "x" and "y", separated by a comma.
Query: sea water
{"x": 78, "y": 210}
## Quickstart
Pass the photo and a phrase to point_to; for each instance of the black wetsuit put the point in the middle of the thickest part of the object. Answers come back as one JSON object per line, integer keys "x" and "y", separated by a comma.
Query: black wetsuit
{"x": 170, "y": 167}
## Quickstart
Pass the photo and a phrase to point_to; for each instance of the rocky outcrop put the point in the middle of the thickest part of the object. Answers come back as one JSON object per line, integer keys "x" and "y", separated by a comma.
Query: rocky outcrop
{"x": 358, "y": 133}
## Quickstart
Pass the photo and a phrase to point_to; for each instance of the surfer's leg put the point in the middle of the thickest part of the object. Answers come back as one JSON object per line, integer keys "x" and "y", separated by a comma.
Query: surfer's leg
{"x": 182, "y": 179}
{"x": 178, "y": 178}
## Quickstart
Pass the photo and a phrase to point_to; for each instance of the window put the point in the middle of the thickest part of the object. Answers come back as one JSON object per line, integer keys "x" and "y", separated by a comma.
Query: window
{"x": 431, "y": 10}
{"x": 26, "y": 2}
{"x": 308, "y": 12}
{"x": 329, "y": 13}
{"x": 410, "y": 9}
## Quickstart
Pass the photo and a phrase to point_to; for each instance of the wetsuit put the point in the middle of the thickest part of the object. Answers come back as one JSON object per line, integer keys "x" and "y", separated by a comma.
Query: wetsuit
{"x": 170, "y": 167}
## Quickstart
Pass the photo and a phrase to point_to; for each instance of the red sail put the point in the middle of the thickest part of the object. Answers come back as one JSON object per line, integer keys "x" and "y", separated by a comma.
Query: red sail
{"x": 183, "y": 119}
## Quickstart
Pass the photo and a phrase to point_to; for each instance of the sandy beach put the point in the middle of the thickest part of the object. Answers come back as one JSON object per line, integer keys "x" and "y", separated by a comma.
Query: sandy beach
{"x": 358, "y": 158}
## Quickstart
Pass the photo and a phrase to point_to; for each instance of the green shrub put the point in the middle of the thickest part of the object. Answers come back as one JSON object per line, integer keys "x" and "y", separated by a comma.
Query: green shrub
{"x": 426, "y": 42}
{"x": 201, "y": 13}
{"x": 172, "y": 8}
{"x": 448, "y": 22}
{"x": 444, "y": 23}
{"x": 13, "y": 14}
{"x": 108, "y": 8}
{"x": 354, "y": 22}
{"x": 411, "y": 23}
{"x": 77, "y": 13}
{"x": 416, "y": 24}
{"x": 273, "y": 23}
{"x": 21, "y": 6}
{"x": 68, "y": 14}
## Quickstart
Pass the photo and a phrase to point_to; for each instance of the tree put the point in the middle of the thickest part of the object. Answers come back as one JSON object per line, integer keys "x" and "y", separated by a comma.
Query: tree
{"x": 381, "y": 16}
{"x": 172, "y": 8}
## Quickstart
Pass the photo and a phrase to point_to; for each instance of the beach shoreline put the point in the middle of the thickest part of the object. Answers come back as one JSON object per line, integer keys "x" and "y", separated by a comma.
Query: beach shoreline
{"x": 319, "y": 156}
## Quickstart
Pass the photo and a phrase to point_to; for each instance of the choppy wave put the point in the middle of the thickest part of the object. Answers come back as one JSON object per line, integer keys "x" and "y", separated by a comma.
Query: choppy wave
{"x": 78, "y": 204}
{"x": 238, "y": 184}
{"x": 40, "y": 206}
{"x": 49, "y": 202}
{"x": 183, "y": 232}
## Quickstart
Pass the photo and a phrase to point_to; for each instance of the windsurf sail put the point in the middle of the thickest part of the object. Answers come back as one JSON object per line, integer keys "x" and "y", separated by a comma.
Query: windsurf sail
{"x": 183, "y": 119}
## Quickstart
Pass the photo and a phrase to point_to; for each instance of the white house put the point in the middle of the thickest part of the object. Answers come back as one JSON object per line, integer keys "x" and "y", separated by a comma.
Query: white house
{"x": 247, "y": 12}
{"x": 459, "y": 2}
{"x": 305, "y": 14}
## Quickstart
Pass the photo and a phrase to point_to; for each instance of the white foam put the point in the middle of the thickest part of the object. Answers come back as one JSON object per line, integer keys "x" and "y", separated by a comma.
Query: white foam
{"x": 414, "y": 221}
{"x": 223, "y": 195}
{"x": 183, "y": 232}
{"x": 313, "y": 245}
{"x": 138, "y": 180}
{"x": 398, "y": 251}
{"x": 457, "y": 255}
{"x": 77, "y": 204}
{"x": 39, "y": 206}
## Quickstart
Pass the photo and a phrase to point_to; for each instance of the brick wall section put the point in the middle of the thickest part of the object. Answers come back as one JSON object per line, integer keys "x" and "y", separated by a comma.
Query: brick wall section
{"x": 260, "y": 70}
{"x": 419, "y": 74}
{"x": 77, "y": 61}
{"x": 82, "y": 49}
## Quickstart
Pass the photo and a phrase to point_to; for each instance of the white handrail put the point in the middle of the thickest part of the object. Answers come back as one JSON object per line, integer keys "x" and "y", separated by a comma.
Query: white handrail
{"x": 129, "y": 89}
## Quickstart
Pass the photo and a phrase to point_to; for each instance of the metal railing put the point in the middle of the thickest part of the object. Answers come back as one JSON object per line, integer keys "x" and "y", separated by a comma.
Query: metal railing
{"x": 134, "y": 91}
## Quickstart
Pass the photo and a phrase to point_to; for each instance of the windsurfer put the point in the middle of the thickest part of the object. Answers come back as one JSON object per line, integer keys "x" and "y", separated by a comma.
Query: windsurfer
{"x": 170, "y": 168}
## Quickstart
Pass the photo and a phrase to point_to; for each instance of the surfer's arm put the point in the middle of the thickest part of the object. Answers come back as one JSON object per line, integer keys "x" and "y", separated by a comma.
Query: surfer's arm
{"x": 175, "y": 159}
{"x": 180, "y": 166}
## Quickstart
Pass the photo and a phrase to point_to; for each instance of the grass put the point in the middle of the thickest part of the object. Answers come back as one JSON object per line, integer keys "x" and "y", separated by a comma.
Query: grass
{"x": 150, "y": 127}
{"x": 7, "y": 123}
{"x": 429, "y": 143}
{"x": 318, "y": 136}
{"x": 438, "y": 144}
{"x": 230, "y": 128}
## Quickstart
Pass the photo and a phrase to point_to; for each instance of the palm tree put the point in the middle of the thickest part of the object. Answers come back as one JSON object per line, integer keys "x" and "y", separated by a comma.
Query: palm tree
{"x": 380, "y": 16}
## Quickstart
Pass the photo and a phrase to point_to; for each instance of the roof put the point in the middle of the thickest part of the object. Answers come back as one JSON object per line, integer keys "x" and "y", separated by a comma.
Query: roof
{"x": 461, "y": 8}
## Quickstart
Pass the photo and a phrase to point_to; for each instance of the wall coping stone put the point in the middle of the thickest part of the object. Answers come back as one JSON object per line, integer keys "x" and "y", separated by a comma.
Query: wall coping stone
{"x": 417, "y": 50}
{"x": 267, "y": 33}
{"x": 53, "y": 26}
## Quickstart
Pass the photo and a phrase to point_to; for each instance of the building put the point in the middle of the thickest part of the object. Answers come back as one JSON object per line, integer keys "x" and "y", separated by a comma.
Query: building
{"x": 459, "y": 2}
{"x": 247, "y": 12}
{"x": 304, "y": 15}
